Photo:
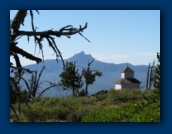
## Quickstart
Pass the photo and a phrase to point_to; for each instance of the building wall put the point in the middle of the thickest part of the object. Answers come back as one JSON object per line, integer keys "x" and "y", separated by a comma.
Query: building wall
{"x": 127, "y": 75}
{"x": 127, "y": 86}
{"x": 131, "y": 85}
{"x": 118, "y": 86}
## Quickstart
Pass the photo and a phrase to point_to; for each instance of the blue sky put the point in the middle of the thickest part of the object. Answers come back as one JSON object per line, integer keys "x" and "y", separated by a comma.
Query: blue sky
{"x": 117, "y": 36}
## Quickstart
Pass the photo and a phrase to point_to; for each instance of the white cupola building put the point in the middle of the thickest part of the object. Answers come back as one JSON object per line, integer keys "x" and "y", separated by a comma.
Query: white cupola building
{"x": 127, "y": 80}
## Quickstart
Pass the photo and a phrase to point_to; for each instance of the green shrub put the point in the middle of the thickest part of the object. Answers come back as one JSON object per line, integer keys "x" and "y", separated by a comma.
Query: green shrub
{"x": 130, "y": 112}
{"x": 75, "y": 116}
{"x": 101, "y": 97}
{"x": 82, "y": 92}
{"x": 66, "y": 109}
{"x": 114, "y": 106}
{"x": 138, "y": 107}
{"x": 123, "y": 96}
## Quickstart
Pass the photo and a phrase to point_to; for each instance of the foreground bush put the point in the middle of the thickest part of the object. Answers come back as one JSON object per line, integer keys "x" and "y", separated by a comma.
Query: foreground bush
{"x": 145, "y": 110}
{"x": 113, "y": 106}
{"x": 130, "y": 112}
{"x": 69, "y": 109}
{"x": 124, "y": 95}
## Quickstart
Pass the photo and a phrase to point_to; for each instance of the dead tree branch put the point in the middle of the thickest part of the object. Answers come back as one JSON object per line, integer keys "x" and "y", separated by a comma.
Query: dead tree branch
{"x": 18, "y": 20}
{"x": 21, "y": 68}
{"x": 62, "y": 32}
{"x": 14, "y": 50}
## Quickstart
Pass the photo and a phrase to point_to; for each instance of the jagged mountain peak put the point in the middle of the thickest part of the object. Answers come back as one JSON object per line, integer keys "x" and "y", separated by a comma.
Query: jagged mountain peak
{"x": 81, "y": 57}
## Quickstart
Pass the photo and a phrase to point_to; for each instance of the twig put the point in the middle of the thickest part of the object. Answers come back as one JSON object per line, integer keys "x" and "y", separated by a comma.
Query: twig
{"x": 21, "y": 68}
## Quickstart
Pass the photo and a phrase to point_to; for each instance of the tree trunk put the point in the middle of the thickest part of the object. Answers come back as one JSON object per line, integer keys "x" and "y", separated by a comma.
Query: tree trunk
{"x": 73, "y": 91}
{"x": 86, "y": 89}
{"x": 147, "y": 80}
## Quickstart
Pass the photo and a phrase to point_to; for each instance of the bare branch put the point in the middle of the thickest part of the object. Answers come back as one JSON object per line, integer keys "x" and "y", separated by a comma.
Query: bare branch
{"x": 70, "y": 31}
{"x": 18, "y": 20}
{"x": 40, "y": 94}
{"x": 90, "y": 62}
{"x": 18, "y": 64}
{"x": 84, "y": 37}
{"x": 39, "y": 76}
{"x": 21, "y": 68}
{"x": 37, "y": 11}
{"x": 57, "y": 50}
{"x": 18, "y": 50}
{"x": 31, "y": 14}
{"x": 26, "y": 83}
{"x": 11, "y": 106}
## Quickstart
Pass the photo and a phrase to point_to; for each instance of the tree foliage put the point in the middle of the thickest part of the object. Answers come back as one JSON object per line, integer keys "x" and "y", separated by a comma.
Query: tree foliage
{"x": 90, "y": 75}
{"x": 70, "y": 78}
{"x": 157, "y": 73}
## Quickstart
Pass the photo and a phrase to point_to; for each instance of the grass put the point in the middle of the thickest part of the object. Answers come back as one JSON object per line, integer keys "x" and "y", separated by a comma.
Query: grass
{"x": 113, "y": 106}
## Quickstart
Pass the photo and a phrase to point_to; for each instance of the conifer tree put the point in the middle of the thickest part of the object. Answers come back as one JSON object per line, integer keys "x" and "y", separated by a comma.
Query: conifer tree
{"x": 70, "y": 78}
{"x": 90, "y": 76}
{"x": 157, "y": 73}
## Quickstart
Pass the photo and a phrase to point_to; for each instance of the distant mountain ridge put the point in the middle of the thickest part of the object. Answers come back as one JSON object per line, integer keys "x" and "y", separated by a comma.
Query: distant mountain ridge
{"x": 81, "y": 58}
{"x": 111, "y": 72}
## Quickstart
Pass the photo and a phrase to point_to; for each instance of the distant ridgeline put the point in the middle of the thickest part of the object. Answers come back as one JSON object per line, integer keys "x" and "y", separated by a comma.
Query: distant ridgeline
{"x": 111, "y": 72}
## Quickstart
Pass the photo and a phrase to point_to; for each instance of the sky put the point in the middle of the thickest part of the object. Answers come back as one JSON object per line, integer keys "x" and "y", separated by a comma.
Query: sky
{"x": 117, "y": 36}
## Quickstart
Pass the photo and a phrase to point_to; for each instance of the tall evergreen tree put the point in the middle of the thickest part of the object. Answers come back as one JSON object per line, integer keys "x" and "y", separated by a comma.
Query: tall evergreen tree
{"x": 157, "y": 73}
{"x": 90, "y": 75}
{"x": 70, "y": 78}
